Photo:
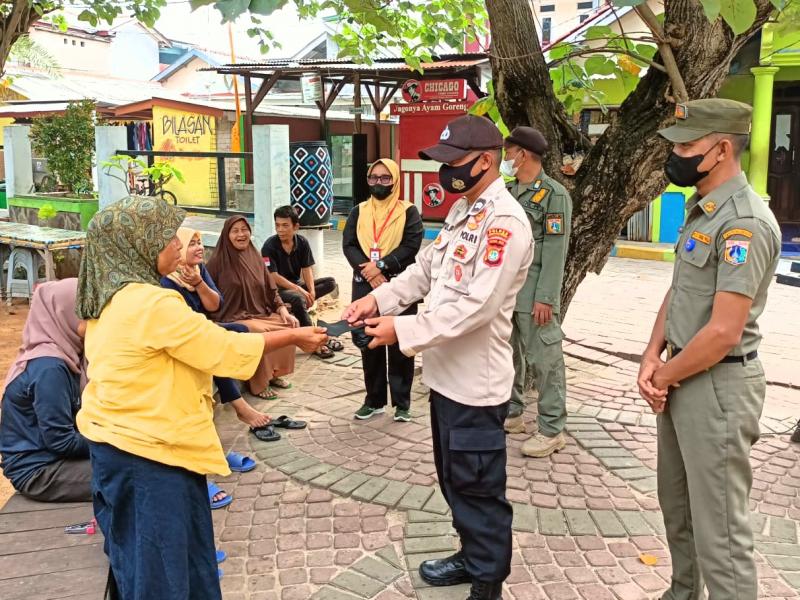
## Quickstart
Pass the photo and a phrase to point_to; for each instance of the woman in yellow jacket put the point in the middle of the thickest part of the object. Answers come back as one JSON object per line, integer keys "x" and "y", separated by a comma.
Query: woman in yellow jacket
{"x": 147, "y": 409}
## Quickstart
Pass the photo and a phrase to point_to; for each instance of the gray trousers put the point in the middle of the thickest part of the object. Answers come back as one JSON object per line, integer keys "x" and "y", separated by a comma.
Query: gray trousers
{"x": 61, "y": 481}
{"x": 704, "y": 478}
{"x": 538, "y": 350}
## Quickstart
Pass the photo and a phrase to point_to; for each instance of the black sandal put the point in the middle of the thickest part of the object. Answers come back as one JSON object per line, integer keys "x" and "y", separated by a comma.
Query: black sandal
{"x": 266, "y": 433}
{"x": 287, "y": 423}
{"x": 335, "y": 345}
{"x": 324, "y": 353}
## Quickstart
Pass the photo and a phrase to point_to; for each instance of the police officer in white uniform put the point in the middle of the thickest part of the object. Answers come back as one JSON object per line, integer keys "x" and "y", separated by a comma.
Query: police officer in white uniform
{"x": 471, "y": 275}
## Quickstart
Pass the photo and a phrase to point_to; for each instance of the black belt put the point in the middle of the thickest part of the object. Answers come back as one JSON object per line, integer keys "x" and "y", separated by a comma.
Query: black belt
{"x": 672, "y": 351}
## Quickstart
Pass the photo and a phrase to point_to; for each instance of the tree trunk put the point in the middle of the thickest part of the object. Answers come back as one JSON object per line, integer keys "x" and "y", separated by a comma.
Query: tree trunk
{"x": 16, "y": 23}
{"x": 623, "y": 172}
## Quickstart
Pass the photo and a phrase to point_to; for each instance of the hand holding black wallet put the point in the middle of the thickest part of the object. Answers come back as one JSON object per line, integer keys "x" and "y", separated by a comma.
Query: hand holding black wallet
{"x": 360, "y": 338}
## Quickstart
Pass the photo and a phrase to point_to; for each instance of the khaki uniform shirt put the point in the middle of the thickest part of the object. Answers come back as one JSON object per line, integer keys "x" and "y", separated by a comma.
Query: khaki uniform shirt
{"x": 471, "y": 275}
{"x": 548, "y": 207}
{"x": 731, "y": 242}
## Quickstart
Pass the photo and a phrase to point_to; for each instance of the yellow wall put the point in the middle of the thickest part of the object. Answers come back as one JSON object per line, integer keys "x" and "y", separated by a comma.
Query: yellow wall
{"x": 182, "y": 131}
{"x": 3, "y": 122}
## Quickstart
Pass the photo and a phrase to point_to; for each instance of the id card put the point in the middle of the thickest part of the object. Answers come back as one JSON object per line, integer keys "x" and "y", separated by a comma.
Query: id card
{"x": 375, "y": 254}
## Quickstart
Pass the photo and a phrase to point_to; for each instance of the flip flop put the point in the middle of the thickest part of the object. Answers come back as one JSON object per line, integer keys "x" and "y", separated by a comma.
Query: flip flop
{"x": 281, "y": 383}
{"x": 324, "y": 353}
{"x": 267, "y": 394}
{"x": 287, "y": 423}
{"x": 221, "y": 556}
{"x": 335, "y": 345}
{"x": 213, "y": 490}
{"x": 266, "y": 433}
{"x": 239, "y": 463}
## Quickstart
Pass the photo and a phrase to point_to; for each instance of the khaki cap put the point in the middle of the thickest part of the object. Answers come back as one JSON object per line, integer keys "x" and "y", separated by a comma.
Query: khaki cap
{"x": 699, "y": 118}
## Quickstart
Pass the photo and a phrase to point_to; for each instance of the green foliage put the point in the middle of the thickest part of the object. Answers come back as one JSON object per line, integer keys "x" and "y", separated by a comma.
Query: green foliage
{"x": 28, "y": 53}
{"x": 47, "y": 212}
{"x": 160, "y": 173}
{"x": 67, "y": 142}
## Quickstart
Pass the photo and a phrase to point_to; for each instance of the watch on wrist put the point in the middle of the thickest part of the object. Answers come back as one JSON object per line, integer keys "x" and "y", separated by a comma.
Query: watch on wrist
{"x": 381, "y": 265}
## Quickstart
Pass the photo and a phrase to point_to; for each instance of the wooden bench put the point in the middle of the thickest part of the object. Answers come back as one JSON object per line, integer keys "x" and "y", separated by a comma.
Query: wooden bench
{"x": 39, "y": 560}
{"x": 44, "y": 240}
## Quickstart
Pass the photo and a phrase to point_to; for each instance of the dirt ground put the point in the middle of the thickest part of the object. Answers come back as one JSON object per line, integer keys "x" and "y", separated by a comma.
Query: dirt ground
{"x": 11, "y": 324}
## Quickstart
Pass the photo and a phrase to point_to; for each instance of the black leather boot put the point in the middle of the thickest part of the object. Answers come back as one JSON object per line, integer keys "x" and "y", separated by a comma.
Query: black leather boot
{"x": 486, "y": 590}
{"x": 444, "y": 571}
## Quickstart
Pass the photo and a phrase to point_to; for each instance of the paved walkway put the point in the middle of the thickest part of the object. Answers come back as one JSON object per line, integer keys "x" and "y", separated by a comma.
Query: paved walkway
{"x": 346, "y": 509}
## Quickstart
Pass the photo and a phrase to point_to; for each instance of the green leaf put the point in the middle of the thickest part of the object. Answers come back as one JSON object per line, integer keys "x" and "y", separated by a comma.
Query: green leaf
{"x": 738, "y": 14}
{"x": 562, "y": 50}
{"x": 646, "y": 50}
{"x": 266, "y": 7}
{"x": 230, "y": 9}
{"x": 597, "y": 32}
{"x": 88, "y": 16}
{"x": 711, "y": 8}
{"x": 195, "y": 4}
{"x": 599, "y": 65}
{"x": 482, "y": 106}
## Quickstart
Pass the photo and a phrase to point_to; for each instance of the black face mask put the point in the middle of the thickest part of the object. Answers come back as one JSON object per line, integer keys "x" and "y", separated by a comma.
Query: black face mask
{"x": 682, "y": 170}
{"x": 458, "y": 180}
{"x": 379, "y": 191}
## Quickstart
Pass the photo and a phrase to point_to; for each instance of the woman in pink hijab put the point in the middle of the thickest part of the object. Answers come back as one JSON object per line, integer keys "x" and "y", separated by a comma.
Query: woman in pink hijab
{"x": 42, "y": 452}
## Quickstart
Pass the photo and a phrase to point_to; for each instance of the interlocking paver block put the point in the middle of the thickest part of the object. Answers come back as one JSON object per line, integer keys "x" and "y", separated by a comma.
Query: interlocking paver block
{"x": 608, "y": 523}
{"x": 525, "y": 518}
{"x": 358, "y": 584}
{"x": 635, "y": 473}
{"x": 551, "y": 522}
{"x": 437, "y": 504}
{"x": 428, "y": 529}
{"x": 784, "y": 530}
{"x": 419, "y": 516}
{"x": 778, "y": 549}
{"x": 634, "y": 522}
{"x": 349, "y": 483}
{"x": 370, "y": 488}
{"x": 785, "y": 563}
{"x": 646, "y": 485}
{"x": 392, "y": 493}
{"x": 579, "y": 522}
{"x": 377, "y": 569}
{"x": 312, "y": 472}
{"x": 283, "y": 459}
{"x": 266, "y": 451}
{"x": 599, "y": 452}
{"x": 604, "y": 443}
{"x": 429, "y": 544}
{"x": 620, "y": 462}
{"x": 443, "y": 593}
{"x": 389, "y": 554}
{"x": 298, "y": 465}
{"x": 330, "y": 593}
{"x": 416, "y": 497}
{"x": 331, "y": 477}
{"x": 656, "y": 522}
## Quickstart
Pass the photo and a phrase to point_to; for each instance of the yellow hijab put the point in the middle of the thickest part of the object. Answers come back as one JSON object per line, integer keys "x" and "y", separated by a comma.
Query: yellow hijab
{"x": 185, "y": 235}
{"x": 376, "y": 211}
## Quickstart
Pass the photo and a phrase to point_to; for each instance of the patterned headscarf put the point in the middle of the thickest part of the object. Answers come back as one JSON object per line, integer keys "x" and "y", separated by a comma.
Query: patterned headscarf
{"x": 123, "y": 242}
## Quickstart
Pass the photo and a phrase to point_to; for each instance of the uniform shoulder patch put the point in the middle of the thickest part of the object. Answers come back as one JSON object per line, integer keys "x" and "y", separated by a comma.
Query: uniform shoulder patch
{"x": 554, "y": 223}
{"x": 710, "y": 207}
{"x": 736, "y": 252}
{"x": 540, "y": 195}
{"x": 701, "y": 237}
{"x": 738, "y": 231}
{"x": 496, "y": 240}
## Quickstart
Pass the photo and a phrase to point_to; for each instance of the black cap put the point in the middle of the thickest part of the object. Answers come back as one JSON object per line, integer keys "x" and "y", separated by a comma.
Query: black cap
{"x": 528, "y": 138}
{"x": 462, "y": 136}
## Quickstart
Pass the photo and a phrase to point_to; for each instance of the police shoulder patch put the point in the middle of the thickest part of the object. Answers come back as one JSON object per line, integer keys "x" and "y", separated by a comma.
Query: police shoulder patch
{"x": 554, "y": 223}
{"x": 540, "y": 195}
{"x": 737, "y": 252}
{"x": 496, "y": 240}
{"x": 732, "y": 232}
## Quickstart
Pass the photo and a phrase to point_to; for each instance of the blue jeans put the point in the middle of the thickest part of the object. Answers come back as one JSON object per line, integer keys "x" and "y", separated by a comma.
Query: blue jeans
{"x": 156, "y": 520}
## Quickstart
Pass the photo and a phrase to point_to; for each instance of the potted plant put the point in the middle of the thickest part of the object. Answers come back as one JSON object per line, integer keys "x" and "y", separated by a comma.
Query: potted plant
{"x": 66, "y": 141}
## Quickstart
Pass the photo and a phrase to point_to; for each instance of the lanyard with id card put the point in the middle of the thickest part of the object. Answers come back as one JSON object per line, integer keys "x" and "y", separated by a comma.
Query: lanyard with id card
{"x": 375, "y": 251}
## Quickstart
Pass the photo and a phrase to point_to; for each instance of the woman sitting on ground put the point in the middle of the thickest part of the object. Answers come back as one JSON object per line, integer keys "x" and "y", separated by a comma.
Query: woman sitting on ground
{"x": 43, "y": 454}
{"x": 147, "y": 409}
{"x": 251, "y": 299}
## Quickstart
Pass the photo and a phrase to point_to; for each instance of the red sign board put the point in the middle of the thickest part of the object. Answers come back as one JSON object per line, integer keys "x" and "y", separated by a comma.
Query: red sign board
{"x": 430, "y": 108}
{"x": 434, "y": 89}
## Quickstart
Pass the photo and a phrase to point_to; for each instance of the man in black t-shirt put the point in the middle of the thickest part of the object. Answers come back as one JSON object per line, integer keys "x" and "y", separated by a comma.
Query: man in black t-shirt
{"x": 289, "y": 258}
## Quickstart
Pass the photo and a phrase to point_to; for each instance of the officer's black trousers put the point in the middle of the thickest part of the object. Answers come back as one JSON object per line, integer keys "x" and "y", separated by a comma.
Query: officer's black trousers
{"x": 469, "y": 448}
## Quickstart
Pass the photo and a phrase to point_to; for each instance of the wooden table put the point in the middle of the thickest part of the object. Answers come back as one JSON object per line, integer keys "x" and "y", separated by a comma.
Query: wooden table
{"x": 39, "y": 561}
{"x": 44, "y": 240}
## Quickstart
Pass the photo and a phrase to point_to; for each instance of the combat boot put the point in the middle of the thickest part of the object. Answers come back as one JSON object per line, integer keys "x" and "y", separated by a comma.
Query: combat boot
{"x": 486, "y": 590}
{"x": 444, "y": 571}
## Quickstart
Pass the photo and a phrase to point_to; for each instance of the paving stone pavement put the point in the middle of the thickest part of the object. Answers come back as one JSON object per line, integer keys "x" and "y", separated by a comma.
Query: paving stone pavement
{"x": 347, "y": 509}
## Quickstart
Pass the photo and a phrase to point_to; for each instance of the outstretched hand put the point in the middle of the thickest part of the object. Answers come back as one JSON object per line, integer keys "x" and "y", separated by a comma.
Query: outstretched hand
{"x": 361, "y": 309}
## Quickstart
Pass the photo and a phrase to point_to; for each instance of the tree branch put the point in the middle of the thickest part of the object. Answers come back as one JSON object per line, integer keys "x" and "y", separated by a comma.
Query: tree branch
{"x": 665, "y": 49}
{"x": 607, "y": 50}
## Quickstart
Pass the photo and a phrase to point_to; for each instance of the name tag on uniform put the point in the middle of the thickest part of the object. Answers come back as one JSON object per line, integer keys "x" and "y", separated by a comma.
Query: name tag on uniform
{"x": 374, "y": 254}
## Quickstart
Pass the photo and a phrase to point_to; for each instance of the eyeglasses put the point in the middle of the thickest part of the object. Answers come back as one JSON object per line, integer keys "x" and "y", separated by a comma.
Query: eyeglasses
{"x": 382, "y": 179}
